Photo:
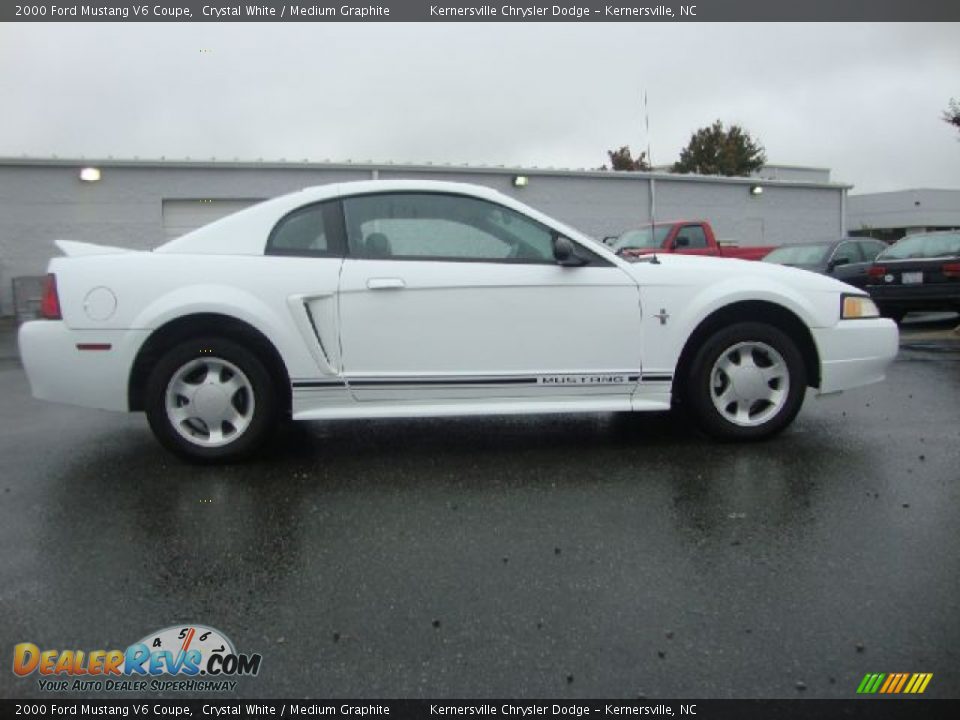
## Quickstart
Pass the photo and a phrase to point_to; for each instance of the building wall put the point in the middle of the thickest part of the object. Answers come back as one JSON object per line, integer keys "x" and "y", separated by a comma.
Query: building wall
{"x": 891, "y": 215}
{"x": 41, "y": 201}
{"x": 781, "y": 215}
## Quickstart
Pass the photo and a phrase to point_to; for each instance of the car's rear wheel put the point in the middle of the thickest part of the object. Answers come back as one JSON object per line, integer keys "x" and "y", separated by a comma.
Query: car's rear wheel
{"x": 747, "y": 382}
{"x": 211, "y": 399}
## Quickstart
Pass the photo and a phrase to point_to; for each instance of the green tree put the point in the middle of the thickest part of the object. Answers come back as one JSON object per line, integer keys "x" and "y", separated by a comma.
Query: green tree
{"x": 715, "y": 150}
{"x": 951, "y": 115}
{"x": 622, "y": 160}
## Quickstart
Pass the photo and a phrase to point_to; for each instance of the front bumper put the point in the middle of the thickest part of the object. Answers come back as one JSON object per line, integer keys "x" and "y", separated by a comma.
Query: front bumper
{"x": 855, "y": 352}
{"x": 931, "y": 296}
{"x": 59, "y": 371}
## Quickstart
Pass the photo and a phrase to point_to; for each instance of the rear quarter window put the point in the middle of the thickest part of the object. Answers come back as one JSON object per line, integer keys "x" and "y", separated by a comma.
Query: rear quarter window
{"x": 309, "y": 231}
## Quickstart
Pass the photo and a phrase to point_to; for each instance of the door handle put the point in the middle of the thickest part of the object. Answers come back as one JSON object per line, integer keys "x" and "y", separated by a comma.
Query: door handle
{"x": 386, "y": 284}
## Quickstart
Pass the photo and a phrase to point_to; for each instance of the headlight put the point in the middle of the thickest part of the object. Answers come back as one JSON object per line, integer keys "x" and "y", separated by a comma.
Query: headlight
{"x": 857, "y": 306}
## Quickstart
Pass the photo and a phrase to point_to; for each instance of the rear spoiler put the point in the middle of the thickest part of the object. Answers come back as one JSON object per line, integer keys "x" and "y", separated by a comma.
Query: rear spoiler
{"x": 72, "y": 248}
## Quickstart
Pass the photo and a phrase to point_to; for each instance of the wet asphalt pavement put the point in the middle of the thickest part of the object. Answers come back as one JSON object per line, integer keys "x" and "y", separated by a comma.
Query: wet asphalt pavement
{"x": 597, "y": 556}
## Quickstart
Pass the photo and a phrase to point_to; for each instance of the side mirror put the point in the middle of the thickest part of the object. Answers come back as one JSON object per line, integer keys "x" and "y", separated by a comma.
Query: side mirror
{"x": 682, "y": 241}
{"x": 836, "y": 262}
{"x": 565, "y": 252}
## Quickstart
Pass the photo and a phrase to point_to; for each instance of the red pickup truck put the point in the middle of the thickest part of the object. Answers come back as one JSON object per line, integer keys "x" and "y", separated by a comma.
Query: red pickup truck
{"x": 689, "y": 237}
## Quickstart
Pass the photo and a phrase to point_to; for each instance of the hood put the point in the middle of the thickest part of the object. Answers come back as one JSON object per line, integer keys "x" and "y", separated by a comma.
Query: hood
{"x": 693, "y": 269}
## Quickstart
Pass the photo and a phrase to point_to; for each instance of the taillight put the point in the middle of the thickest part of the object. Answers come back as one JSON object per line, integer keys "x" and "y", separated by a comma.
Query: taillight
{"x": 50, "y": 303}
{"x": 875, "y": 272}
{"x": 951, "y": 270}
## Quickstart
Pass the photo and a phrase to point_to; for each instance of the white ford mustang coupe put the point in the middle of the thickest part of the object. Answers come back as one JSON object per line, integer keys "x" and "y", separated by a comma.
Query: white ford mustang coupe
{"x": 414, "y": 298}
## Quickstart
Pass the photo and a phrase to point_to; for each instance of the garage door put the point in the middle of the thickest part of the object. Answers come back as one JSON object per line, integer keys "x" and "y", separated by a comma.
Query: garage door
{"x": 182, "y": 216}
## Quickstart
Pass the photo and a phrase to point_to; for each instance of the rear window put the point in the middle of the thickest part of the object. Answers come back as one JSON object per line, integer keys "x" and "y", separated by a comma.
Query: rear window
{"x": 798, "y": 255}
{"x": 923, "y": 246}
{"x": 643, "y": 238}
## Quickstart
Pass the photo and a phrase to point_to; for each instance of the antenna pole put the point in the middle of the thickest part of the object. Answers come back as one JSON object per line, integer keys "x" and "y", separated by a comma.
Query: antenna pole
{"x": 652, "y": 183}
{"x": 646, "y": 116}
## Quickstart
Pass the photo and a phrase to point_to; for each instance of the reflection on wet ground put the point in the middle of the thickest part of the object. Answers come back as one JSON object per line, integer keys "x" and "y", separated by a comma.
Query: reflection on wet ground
{"x": 603, "y": 556}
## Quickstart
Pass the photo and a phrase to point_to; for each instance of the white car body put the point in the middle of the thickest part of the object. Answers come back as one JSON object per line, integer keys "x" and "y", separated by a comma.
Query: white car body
{"x": 386, "y": 337}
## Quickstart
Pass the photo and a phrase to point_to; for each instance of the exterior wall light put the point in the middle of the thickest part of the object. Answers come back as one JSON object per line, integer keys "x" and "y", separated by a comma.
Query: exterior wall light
{"x": 756, "y": 190}
{"x": 90, "y": 174}
{"x": 520, "y": 181}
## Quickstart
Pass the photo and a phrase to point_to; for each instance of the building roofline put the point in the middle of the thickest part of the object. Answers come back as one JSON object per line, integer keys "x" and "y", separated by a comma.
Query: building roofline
{"x": 787, "y": 166}
{"x": 907, "y": 190}
{"x": 369, "y": 166}
{"x": 783, "y": 166}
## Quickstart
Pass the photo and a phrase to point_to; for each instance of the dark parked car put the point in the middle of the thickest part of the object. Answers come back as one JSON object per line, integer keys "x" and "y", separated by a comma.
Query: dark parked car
{"x": 846, "y": 259}
{"x": 918, "y": 272}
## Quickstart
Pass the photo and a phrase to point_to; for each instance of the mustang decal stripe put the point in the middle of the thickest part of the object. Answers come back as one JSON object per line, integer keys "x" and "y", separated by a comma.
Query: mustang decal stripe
{"x": 574, "y": 379}
{"x": 450, "y": 381}
{"x": 542, "y": 380}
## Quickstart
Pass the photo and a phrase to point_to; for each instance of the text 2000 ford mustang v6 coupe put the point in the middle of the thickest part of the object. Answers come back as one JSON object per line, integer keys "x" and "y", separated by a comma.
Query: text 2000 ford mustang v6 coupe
{"x": 413, "y": 298}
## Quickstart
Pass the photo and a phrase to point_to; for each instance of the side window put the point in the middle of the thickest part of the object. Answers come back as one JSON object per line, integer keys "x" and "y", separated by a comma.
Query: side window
{"x": 308, "y": 231}
{"x": 695, "y": 236}
{"x": 443, "y": 227}
{"x": 870, "y": 248}
{"x": 848, "y": 250}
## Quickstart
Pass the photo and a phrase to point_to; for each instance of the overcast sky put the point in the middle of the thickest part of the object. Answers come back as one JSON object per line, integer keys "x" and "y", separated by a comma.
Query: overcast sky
{"x": 864, "y": 100}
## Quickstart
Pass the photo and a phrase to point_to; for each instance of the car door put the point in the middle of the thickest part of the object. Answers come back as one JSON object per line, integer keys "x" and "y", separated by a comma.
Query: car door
{"x": 692, "y": 240}
{"x": 446, "y": 296}
{"x": 847, "y": 264}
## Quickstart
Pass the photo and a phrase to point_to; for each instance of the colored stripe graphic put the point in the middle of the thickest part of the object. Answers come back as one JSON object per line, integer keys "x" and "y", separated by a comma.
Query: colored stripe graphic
{"x": 903, "y": 679}
{"x": 894, "y": 683}
{"x": 920, "y": 683}
{"x": 870, "y": 683}
{"x": 891, "y": 679}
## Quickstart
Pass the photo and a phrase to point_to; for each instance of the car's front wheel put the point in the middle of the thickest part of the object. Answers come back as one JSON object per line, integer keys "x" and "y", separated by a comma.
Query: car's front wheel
{"x": 211, "y": 399}
{"x": 747, "y": 382}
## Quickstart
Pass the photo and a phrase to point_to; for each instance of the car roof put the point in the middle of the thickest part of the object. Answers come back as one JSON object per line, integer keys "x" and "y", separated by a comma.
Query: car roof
{"x": 245, "y": 232}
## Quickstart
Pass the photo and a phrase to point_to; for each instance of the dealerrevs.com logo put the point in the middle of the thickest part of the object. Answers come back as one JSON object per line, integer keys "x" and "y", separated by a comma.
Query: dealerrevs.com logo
{"x": 188, "y": 658}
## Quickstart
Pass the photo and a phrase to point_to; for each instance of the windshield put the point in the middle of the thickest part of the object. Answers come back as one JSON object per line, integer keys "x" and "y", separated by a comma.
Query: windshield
{"x": 643, "y": 238}
{"x": 923, "y": 246}
{"x": 798, "y": 255}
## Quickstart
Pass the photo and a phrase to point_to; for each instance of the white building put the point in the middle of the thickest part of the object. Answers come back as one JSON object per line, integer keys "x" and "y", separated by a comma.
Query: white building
{"x": 891, "y": 215}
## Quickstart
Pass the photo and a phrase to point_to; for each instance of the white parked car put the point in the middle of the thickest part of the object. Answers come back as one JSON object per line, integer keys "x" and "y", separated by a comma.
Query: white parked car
{"x": 413, "y": 298}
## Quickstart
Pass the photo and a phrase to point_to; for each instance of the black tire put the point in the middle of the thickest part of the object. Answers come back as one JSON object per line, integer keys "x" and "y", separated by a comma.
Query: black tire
{"x": 730, "y": 347}
{"x": 255, "y": 403}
